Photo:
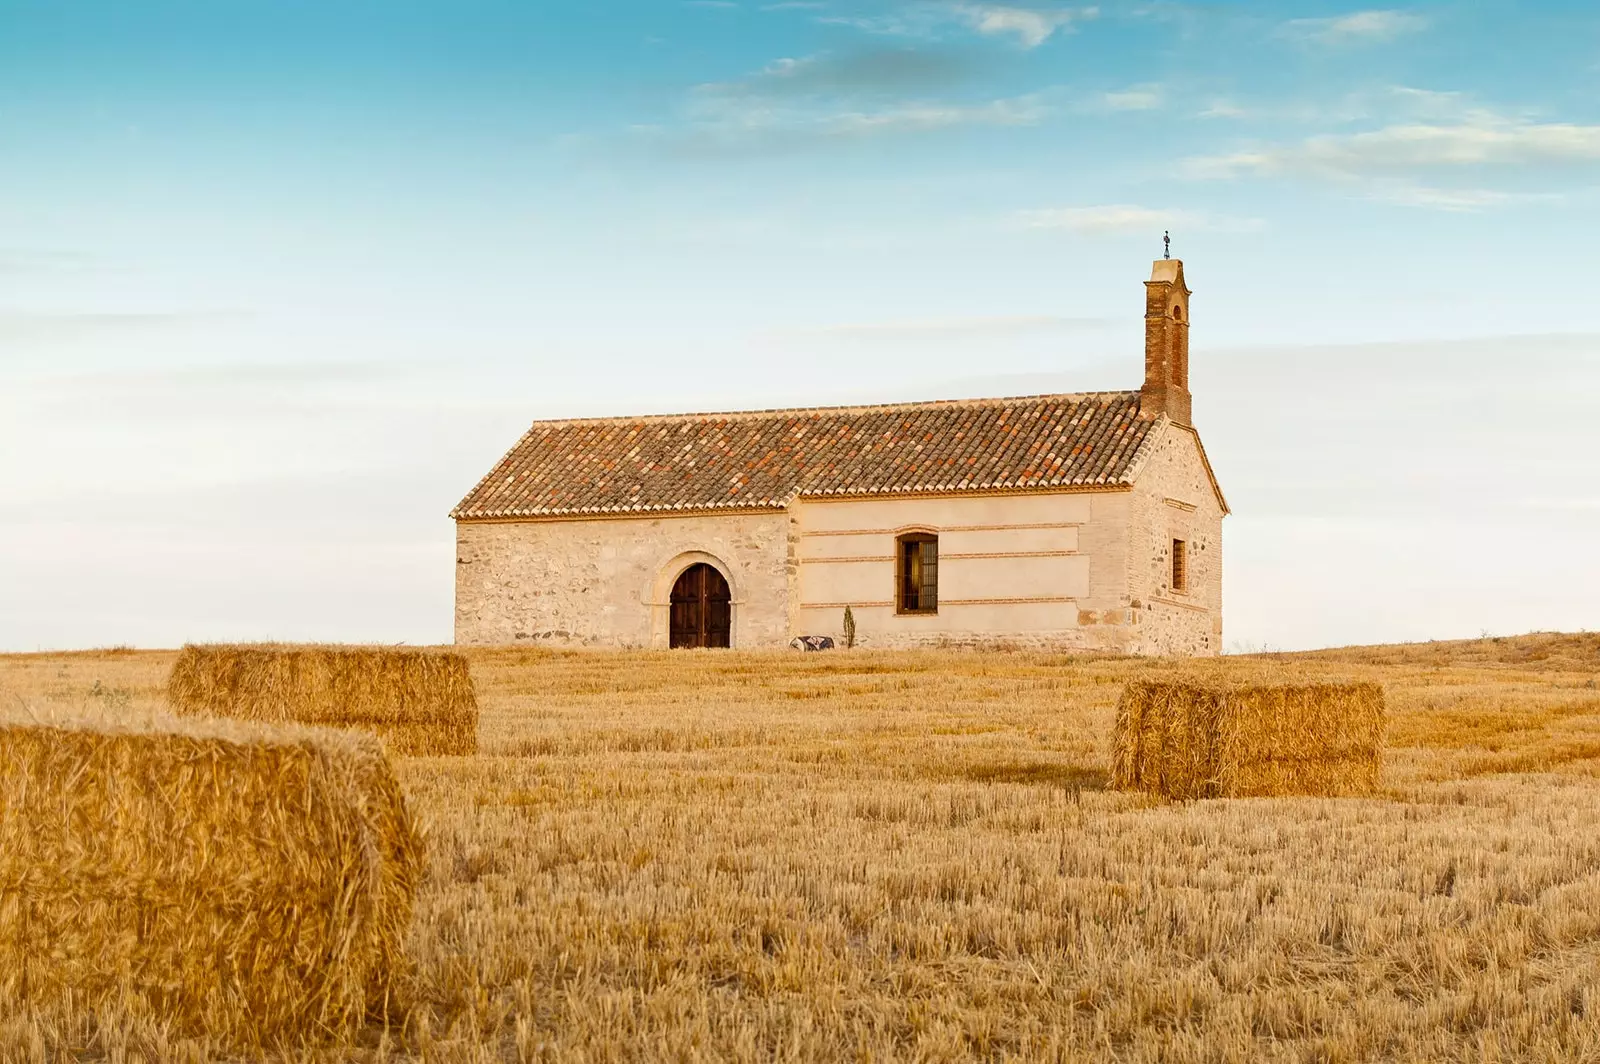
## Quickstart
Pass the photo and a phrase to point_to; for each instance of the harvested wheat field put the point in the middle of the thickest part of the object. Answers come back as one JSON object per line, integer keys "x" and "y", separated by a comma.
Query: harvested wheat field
{"x": 707, "y": 855}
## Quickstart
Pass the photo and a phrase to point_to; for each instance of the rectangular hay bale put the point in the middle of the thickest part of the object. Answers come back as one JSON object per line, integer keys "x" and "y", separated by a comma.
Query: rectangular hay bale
{"x": 417, "y": 701}
{"x": 1192, "y": 739}
{"x": 247, "y": 883}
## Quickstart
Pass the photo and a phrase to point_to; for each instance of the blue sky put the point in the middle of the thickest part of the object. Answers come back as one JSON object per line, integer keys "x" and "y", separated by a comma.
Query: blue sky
{"x": 279, "y": 281}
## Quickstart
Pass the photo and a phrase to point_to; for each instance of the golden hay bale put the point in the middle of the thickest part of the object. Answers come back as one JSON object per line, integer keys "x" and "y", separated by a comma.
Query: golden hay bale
{"x": 418, "y": 701}
{"x": 1191, "y": 739}
{"x": 242, "y": 882}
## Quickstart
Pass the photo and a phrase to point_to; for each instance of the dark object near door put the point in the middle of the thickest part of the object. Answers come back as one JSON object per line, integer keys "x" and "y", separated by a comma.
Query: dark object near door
{"x": 702, "y": 608}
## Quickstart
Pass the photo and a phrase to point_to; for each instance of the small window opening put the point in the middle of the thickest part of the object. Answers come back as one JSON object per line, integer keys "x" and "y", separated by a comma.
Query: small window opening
{"x": 917, "y": 573}
{"x": 1180, "y": 565}
{"x": 1177, "y": 312}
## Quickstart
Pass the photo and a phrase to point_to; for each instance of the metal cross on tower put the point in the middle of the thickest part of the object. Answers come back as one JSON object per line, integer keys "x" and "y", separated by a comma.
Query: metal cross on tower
{"x": 1166, "y": 244}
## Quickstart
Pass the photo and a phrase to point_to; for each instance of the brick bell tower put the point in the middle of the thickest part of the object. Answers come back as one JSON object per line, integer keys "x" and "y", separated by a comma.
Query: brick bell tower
{"x": 1166, "y": 343}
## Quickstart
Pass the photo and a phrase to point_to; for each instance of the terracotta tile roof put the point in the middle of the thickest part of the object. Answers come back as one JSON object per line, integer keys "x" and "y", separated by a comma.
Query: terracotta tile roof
{"x": 763, "y": 459}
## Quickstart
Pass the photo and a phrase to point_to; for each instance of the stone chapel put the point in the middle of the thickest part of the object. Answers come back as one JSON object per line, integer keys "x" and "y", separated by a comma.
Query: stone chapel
{"x": 1078, "y": 521}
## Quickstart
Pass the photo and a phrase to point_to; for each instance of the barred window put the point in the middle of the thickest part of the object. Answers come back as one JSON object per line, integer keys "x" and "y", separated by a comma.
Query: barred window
{"x": 1180, "y": 565}
{"x": 917, "y": 576}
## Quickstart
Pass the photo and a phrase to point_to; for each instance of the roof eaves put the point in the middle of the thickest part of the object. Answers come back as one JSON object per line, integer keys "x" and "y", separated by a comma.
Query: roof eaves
{"x": 814, "y": 412}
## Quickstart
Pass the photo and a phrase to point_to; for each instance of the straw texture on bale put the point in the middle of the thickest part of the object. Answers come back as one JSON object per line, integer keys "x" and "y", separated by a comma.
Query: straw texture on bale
{"x": 1211, "y": 740}
{"x": 418, "y": 701}
{"x": 248, "y": 883}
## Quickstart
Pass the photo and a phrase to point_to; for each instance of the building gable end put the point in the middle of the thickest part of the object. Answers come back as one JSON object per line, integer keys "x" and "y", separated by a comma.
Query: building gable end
{"x": 1152, "y": 444}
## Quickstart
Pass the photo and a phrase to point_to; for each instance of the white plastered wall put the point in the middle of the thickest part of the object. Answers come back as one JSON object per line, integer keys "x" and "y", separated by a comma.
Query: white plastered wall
{"x": 1044, "y": 569}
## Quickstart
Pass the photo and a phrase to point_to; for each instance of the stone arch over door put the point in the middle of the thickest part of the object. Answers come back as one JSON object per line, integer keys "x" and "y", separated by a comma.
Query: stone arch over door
{"x": 667, "y": 578}
{"x": 700, "y": 613}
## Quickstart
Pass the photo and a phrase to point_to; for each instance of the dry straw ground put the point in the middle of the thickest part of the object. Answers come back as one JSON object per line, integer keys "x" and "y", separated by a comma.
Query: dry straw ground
{"x": 874, "y": 856}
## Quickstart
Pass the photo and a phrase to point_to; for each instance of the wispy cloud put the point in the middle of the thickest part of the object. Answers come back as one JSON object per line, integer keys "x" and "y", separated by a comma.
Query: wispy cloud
{"x": 1360, "y": 27}
{"x": 1483, "y": 139}
{"x": 1431, "y": 154}
{"x": 192, "y": 380}
{"x": 1007, "y": 323}
{"x": 1577, "y": 504}
{"x": 1019, "y": 111}
{"x": 36, "y": 326}
{"x": 887, "y": 70}
{"x": 28, "y": 260}
{"x": 1224, "y": 109}
{"x": 1393, "y": 104}
{"x": 1135, "y": 98}
{"x": 1128, "y": 218}
{"x": 1028, "y": 26}
{"x": 720, "y": 126}
{"x": 1456, "y": 200}
{"x": 1429, "y": 103}
{"x": 796, "y": 103}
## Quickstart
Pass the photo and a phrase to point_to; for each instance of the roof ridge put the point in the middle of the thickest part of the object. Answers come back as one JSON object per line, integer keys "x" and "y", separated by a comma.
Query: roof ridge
{"x": 849, "y": 408}
{"x": 665, "y": 463}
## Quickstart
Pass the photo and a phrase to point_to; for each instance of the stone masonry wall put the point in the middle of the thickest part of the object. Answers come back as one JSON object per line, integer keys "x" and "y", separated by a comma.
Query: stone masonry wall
{"x": 606, "y": 583}
{"x": 1173, "y": 499}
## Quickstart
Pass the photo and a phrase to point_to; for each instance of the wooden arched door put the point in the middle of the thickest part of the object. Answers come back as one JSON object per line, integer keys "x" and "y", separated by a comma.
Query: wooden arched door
{"x": 702, "y": 608}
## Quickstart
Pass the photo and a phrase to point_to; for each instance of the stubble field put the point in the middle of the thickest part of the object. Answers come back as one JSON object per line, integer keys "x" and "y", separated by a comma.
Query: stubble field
{"x": 913, "y": 856}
